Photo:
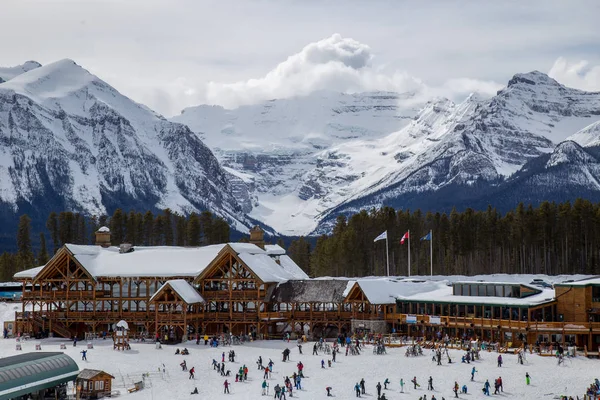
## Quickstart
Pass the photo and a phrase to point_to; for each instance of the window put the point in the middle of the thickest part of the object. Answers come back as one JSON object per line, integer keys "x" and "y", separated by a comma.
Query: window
{"x": 481, "y": 290}
{"x": 499, "y": 291}
{"x": 99, "y": 385}
{"x": 473, "y": 291}
{"x": 596, "y": 294}
{"x": 457, "y": 290}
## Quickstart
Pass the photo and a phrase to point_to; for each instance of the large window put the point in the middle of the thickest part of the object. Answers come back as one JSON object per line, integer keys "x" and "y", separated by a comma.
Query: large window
{"x": 596, "y": 294}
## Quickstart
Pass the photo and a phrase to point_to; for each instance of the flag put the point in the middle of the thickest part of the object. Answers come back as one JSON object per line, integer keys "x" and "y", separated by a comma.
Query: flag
{"x": 427, "y": 237}
{"x": 381, "y": 237}
{"x": 404, "y": 238}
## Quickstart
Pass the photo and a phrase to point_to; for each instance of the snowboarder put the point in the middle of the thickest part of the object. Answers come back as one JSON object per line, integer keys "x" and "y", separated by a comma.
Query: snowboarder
{"x": 362, "y": 386}
{"x": 192, "y": 370}
{"x": 378, "y": 389}
{"x": 414, "y": 381}
{"x": 357, "y": 389}
{"x": 225, "y": 386}
{"x": 385, "y": 383}
{"x": 83, "y": 355}
{"x": 473, "y": 373}
{"x": 527, "y": 378}
{"x": 430, "y": 383}
{"x": 264, "y": 387}
{"x": 401, "y": 385}
{"x": 328, "y": 389}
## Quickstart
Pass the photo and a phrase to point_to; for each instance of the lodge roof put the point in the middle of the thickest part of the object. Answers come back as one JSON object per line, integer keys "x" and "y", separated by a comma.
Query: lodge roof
{"x": 91, "y": 374}
{"x": 183, "y": 289}
{"x": 309, "y": 291}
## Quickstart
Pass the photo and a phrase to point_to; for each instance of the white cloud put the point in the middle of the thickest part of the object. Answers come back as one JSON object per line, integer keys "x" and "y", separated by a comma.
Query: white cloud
{"x": 579, "y": 75}
{"x": 335, "y": 63}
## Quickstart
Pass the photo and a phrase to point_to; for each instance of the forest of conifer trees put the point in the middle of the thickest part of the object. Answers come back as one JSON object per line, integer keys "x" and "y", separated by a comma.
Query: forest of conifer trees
{"x": 148, "y": 229}
{"x": 550, "y": 239}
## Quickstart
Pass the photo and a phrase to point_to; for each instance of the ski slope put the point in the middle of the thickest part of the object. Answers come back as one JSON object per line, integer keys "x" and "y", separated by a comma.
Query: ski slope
{"x": 548, "y": 379}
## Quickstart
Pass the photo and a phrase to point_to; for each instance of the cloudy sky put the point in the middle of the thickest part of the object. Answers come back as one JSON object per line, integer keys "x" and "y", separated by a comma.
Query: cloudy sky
{"x": 172, "y": 54}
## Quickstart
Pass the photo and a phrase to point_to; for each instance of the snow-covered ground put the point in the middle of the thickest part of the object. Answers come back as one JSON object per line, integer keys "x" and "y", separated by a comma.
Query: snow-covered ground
{"x": 548, "y": 379}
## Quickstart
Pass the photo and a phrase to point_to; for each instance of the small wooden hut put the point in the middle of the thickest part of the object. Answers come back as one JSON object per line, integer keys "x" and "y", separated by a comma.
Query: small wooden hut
{"x": 93, "y": 384}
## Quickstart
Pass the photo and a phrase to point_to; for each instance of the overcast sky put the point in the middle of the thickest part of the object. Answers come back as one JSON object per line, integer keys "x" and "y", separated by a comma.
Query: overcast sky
{"x": 173, "y": 54}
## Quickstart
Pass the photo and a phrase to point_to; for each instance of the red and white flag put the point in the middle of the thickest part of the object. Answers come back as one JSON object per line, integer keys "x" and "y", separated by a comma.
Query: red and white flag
{"x": 405, "y": 237}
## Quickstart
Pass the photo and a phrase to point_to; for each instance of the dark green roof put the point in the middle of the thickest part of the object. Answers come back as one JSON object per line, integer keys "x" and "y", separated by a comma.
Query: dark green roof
{"x": 30, "y": 372}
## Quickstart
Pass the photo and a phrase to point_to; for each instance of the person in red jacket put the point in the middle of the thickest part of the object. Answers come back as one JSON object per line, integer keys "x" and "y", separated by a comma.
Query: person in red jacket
{"x": 192, "y": 370}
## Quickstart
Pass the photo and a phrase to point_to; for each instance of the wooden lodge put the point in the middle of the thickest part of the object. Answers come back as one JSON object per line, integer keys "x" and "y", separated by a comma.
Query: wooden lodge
{"x": 255, "y": 289}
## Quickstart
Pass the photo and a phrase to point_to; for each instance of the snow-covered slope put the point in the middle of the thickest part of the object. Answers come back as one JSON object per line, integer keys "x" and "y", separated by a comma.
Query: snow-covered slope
{"x": 588, "y": 136}
{"x": 274, "y": 150}
{"x": 7, "y": 73}
{"x": 297, "y": 171}
{"x": 71, "y": 141}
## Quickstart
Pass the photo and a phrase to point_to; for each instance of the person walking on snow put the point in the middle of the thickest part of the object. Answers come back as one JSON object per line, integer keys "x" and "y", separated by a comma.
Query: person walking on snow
{"x": 430, "y": 383}
{"x": 455, "y": 389}
{"x": 223, "y": 357}
{"x": 192, "y": 370}
{"x": 401, "y": 385}
{"x": 378, "y": 389}
{"x": 83, "y": 355}
{"x": 315, "y": 350}
{"x": 527, "y": 378}
{"x": 499, "y": 360}
{"x": 500, "y": 384}
{"x": 226, "y": 387}
{"x": 414, "y": 381}
{"x": 183, "y": 365}
{"x": 473, "y": 373}
{"x": 362, "y": 386}
{"x": 385, "y": 383}
{"x": 322, "y": 363}
{"x": 328, "y": 389}
{"x": 486, "y": 387}
{"x": 357, "y": 389}
{"x": 264, "y": 387}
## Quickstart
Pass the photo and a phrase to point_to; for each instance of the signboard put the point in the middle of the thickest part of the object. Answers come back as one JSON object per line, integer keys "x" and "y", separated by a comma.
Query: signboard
{"x": 435, "y": 320}
{"x": 411, "y": 319}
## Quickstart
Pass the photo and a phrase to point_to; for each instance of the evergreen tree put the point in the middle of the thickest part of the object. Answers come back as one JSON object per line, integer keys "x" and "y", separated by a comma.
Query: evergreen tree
{"x": 52, "y": 226}
{"x": 24, "y": 253}
{"x": 42, "y": 258}
{"x": 193, "y": 230}
{"x": 148, "y": 227}
{"x": 168, "y": 227}
{"x": 180, "y": 230}
{"x": 117, "y": 227}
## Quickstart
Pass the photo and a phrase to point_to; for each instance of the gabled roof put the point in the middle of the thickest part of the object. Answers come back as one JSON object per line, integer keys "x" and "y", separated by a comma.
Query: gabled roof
{"x": 268, "y": 270}
{"x": 25, "y": 373}
{"x": 183, "y": 289}
{"x": 379, "y": 290}
{"x": 28, "y": 273}
{"x": 91, "y": 374}
{"x": 308, "y": 291}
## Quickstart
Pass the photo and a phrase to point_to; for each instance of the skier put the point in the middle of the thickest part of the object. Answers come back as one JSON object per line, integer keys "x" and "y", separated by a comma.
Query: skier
{"x": 401, "y": 385}
{"x": 264, "y": 387}
{"x": 385, "y": 383}
{"x": 225, "y": 386}
{"x": 315, "y": 350}
{"x": 277, "y": 389}
{"x": 300, "y": 348}
{"x": 357, "y": 389}
{"x": 430, "y": 383}
{"x": 282, "y": 393}
{"x": 259, "y": 362}
{"x": 499, "y": 360}
{"x": 83, "y": 355}
{"x": 486, "y": 387}
{"x": 414, "y": 381}
{"x": 266, "y": 375}
{"x": 378, "y": 389}
{"x": 473, "y": 373}
{"x": 527, "y": 378}
{"x": 328, "y": 389}
{"x": 362, "y": 386}
{"x": 192, "y": 370}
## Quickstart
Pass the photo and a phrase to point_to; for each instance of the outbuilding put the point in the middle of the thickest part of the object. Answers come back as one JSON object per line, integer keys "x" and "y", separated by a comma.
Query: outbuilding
{"x": 38, "y": 374}
{"x": 94, "y": 384}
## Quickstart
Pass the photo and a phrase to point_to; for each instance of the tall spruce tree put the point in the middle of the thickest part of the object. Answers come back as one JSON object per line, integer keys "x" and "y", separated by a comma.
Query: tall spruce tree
{"x": 42, "y": 257}
{"x": 24, "y": 253}
{"x": 52, "y": 226}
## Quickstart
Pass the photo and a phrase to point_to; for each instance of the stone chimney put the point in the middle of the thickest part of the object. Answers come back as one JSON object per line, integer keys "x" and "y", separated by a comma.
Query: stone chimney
{"x": 103, "y": 237}
{"x": 257, "y": 236}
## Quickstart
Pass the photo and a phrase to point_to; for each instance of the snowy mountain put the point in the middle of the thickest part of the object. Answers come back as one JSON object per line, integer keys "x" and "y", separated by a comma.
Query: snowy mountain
{"x": 71, "y": 141}
{"x": 300, "y": 166}
{"x": 7, "y": 73}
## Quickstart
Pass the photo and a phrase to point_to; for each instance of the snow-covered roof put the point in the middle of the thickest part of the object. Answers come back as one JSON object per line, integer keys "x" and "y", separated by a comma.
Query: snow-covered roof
{"x": 268, "y": 270}
{"x": 440, "y": 291}
{"x": 28, "y": 273}
{"x": 380, "y": 291}
{"x": 480, "y": 282}
{"x": 246, "y": 248}
{"x": 103, "y": 229}
{"x": 582, "y": 282}
{"x": 183, "y": 289}
{"x": 160, "y": 261}
{"x": 274, "y": 249}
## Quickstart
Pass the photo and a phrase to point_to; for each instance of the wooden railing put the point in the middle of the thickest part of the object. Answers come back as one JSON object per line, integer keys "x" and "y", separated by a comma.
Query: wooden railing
{"x": 250, "y": 295}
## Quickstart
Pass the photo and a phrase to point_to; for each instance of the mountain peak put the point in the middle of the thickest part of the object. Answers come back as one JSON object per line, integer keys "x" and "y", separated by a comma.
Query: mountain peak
{"x": 8, "y": 73}
{"x": 532, "y": 78}
{"x": 569, "y": 152}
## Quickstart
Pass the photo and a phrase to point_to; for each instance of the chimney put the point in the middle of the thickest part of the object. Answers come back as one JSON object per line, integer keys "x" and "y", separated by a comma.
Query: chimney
{"x": 103, "y": 237}
{"x": 257, "y": 236}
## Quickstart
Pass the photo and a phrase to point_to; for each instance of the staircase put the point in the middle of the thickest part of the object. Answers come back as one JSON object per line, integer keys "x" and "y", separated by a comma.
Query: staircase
{"x": 57, "y": 327}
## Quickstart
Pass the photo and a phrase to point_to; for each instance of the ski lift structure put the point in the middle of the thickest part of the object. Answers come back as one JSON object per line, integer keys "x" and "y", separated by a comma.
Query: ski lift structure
{"x": 121, "y": 335}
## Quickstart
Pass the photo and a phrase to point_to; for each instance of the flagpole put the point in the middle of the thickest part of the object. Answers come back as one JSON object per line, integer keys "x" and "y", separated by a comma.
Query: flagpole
{"x": 387, "y": 255}
{"x": 431, "y": 249}
{"x": 409, "y": 252}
